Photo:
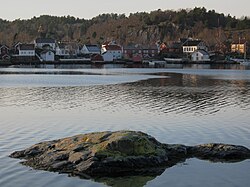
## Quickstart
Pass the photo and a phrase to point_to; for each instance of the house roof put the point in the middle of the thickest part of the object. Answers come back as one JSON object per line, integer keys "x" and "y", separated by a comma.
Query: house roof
{"x": 202, "y": 52}
{"x": 4, "y": 46}
{"x": 46, "y": 51}
{"x": 61, "y": 45}
{"x": 175, "y": 45}
{"x": 242, "y": 42}
{"x": 113, "y": 47}
{"x": 132, "y": 47}
{"x": 93, "y": 48}
{"x": 192, "y": 43}
{"x": 140, "y": 47}
{"x": 183, "y": 40}
{"x": 27, "y": 47}
{"x": 150, "y": 47}
{"x": 16, "y": 44}
{"x": 45, "y": 40}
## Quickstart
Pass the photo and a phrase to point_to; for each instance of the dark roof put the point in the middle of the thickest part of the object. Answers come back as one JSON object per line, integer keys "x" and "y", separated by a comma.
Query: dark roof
{"x": 239, "y": 42}
{"x": 192, "y": 43}
{"x": 132, "y": 47}
{"x": 61, "y": 45}
{"x": 4, "y": 46}
{"x": 16, "y": 44}
{"x": 202, "y": 52}
{"x": 46, "y": 51}
{"x": 113, "y": 47}
{"x": 27, "y": 46}
{"x": 150, "y": 47}
{"x": 183, "y": 40}
{"x": 93, "y": 48}
{"x": 45, "y": 40}
{"x": 175, "y": 45}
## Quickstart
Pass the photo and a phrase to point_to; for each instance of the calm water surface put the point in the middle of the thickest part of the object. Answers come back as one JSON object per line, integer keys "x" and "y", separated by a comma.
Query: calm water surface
{"x": 188, "y": 106}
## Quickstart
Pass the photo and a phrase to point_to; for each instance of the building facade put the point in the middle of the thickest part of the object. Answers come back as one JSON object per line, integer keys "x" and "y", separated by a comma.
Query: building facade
{"x": 239, "y": 47}
{"x": 27, "y": 50}
{"x": 191, "y": 46}
{"x": 4, "y": 52}
{"x": 114, "y": 50}
{"x": 200, "y": 56}
{"x": 45, "y": 43}
{"x": 48, "y": 56}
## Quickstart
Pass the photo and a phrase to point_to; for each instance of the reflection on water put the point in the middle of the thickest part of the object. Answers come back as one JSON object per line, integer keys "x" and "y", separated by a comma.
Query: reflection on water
{"x": 175, "y": 106}
{"x": 130, "y": 181}
{"x": 180, "y": 93}
{"x": 131, "y": 65}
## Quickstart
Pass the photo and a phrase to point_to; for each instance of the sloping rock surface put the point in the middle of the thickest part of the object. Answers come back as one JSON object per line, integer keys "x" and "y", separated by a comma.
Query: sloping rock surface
{"x": 119, "y": 153}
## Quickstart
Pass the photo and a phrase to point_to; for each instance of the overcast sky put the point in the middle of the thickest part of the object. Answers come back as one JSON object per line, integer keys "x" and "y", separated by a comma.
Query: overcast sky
{"x": 23, "y": 9}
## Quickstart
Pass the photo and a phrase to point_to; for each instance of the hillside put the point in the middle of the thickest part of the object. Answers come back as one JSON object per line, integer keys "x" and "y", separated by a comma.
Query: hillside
{"x": 143, "y": 28}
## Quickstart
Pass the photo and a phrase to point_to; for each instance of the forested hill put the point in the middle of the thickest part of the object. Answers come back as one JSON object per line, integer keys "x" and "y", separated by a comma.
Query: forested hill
{"x": 143, "y": 28}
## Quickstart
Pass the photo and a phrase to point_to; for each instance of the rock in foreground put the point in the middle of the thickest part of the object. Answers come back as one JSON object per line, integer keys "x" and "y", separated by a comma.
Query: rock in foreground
{"x": 119, "y": 153}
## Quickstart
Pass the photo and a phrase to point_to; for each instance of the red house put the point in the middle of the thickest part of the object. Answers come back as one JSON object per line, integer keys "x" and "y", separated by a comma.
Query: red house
{"x": 137, "y": 53}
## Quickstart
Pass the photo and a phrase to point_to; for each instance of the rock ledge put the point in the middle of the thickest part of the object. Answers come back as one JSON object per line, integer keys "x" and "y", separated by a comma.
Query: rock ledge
{"x": 120, "y": 153}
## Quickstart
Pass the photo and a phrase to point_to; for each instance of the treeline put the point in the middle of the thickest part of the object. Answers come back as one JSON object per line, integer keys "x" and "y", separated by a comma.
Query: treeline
{"x": 189, "y": 18}
{"x": 139, "y": 27}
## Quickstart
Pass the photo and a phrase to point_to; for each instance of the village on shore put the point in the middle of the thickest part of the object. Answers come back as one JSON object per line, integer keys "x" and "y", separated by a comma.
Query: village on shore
{"x": 186, "y": 50}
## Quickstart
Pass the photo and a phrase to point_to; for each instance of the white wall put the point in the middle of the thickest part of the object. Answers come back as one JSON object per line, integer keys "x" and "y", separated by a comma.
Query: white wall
{"x": 26, "y": 52}
{"x": 198, "y": 56}
{"x": 116, "y": 54}
{"x": 108, "y": 57}
{"x": 62, "y": 52}
{"x": 48, "y": 56}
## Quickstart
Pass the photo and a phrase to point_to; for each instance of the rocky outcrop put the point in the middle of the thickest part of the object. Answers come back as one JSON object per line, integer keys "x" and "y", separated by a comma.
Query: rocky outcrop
{"x": 119, "y": 153}
{"x": 219, "y": 152}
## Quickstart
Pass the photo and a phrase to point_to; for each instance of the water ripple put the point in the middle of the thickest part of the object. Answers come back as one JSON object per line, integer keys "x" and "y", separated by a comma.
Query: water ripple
{"x": 178, "y": 108}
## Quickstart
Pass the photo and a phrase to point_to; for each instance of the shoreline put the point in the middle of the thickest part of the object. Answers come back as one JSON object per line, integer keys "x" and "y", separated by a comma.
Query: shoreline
{"x": 75, "y": 62}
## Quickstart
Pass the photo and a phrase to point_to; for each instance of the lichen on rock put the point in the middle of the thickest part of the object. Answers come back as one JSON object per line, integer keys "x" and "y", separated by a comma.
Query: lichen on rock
{"x": 119, "y": 153}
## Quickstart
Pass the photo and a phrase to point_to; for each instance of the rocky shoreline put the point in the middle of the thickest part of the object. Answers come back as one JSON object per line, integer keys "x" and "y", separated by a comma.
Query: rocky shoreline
{"x": 120, "y": 153}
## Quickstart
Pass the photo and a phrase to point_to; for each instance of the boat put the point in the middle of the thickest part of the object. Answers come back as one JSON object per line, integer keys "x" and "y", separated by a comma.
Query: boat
{"x": 245, "y": 62}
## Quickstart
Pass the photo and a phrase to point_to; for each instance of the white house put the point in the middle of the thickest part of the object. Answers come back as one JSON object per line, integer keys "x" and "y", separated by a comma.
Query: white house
{"x": 62, "y": 50}
{"x": 27, "y": 50}
{"x": 107, "y": 57}
{"x": 45, "y": 42}
{"x": 90, "y": 49}
{"x": 191, "y": 46}
{"x": 113, "y": 49}
{"x": 48, "y": 55}
{"x": 200, "y": 56}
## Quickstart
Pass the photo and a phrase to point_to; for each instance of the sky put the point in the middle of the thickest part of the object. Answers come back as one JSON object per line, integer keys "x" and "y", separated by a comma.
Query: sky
{"x": 26, "y": 9}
